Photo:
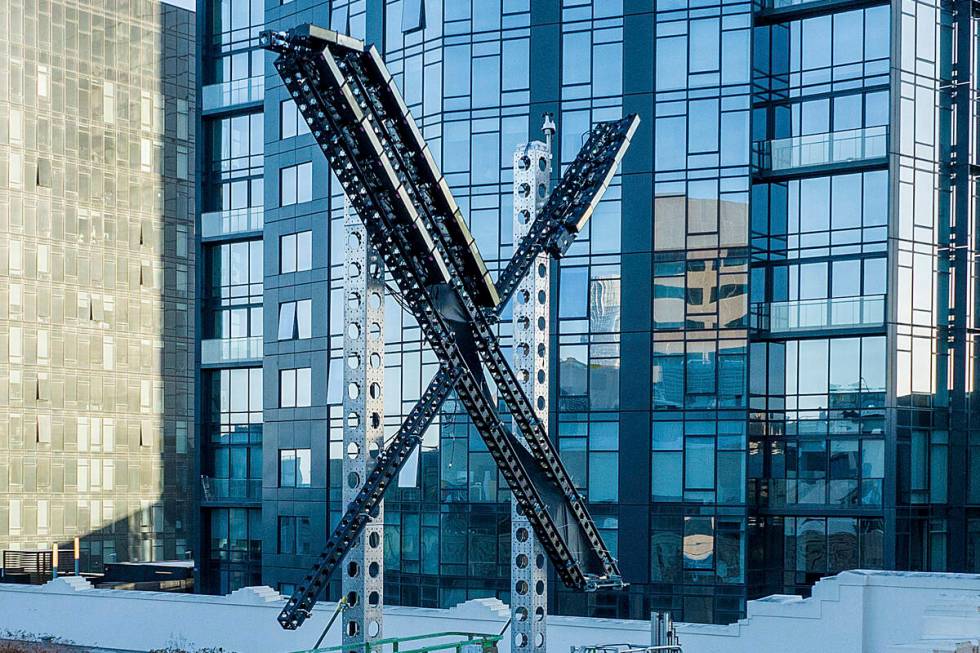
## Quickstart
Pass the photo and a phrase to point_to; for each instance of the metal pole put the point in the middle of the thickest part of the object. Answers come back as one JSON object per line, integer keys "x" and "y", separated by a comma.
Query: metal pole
{"x": 532, "y": 317}
{"x": 341, "y": 604}
{"x": 54, "y": 561}
{"x": 78, "y": 552}
{"x": 363, "y": 577}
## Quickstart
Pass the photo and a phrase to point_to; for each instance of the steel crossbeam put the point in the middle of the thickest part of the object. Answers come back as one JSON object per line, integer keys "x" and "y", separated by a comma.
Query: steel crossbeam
{"x": 358, "y": 118}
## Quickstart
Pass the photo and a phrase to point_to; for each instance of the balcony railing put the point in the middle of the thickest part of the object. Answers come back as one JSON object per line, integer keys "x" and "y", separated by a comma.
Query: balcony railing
{"x": 242, "y": 489}
{"x": 233, "y": 221}
{"x": 815, "y": 150}
{"x": 819, "y": 314}
{"x": 229, "y": 94}
{"x": 219, "y": 351}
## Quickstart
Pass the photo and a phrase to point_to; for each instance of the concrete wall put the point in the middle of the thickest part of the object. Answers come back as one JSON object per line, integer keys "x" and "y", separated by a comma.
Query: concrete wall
{"x": 850, "y": 613}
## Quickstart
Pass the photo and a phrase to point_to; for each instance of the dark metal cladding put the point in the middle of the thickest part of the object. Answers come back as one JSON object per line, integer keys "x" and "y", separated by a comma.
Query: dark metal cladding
{"x": 360, "y": 121}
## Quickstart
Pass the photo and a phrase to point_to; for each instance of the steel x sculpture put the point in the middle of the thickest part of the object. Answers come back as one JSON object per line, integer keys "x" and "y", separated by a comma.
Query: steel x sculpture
{"x": 357, "y": 116}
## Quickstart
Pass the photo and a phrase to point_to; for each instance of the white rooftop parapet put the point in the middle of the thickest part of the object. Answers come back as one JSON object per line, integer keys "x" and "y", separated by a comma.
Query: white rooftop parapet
{"x": 853, "y": 612}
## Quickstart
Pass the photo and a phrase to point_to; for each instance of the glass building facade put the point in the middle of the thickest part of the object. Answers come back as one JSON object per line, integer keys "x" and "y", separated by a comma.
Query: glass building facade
{"x": 97, "y": 279}
{"x": 763, "y": 342}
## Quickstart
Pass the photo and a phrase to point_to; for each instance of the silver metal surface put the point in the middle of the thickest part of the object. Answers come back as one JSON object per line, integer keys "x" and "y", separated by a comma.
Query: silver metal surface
{"x": 363, "y": 569}
{"x": 531, "y": 308}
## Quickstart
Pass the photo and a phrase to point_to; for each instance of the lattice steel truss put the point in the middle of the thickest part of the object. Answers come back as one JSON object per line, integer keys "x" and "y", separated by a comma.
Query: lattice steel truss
{"x": 361, "y": 123}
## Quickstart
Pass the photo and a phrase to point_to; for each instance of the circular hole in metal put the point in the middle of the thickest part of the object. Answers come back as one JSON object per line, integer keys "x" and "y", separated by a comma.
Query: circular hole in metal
{"x": 539, "y": 587}
{"x": 524, "y": 190}
{"x": 524, "y": 162}
{"x": 542, "y": 297}
{"x": 373, "y": 629}
{"x": 353, "y": 361}
{"x": 352, "y": 599}
{"x": 525, "y": 375}
{"x": 353, "y": 331}
{"x": 520, "y": 510}
{"x": 541, "y": 324}
{"x": 375, "y": 361}
{"x": 375, "y": 420}
{"x": 374, "y": 331}
{"x": 352, "y": 450}
{"x": 375, "y": 391}
{"x": 352, "y": 628}
{"x": 542, "y": 164}
{"x": 353, "y": 480}
{"x": 542, "y": 270}
{"x": 523, "y": 322}
{"x": 353, "y": 420}
{"x": 374, "y": 268}
{"x": 353, "y": 390}
{"x": 542, "y": 190}
{"x": 525, "y": 348}
{"x": 374, "y": 569}
{"x": 539, "y": 640}
{"x": 373, "y": 450}
{"x": 374, "y": 301}
{"x": 521, "y": 561}
{"x": 374, "y": 598}
{"x": 522, "y": 535}
{"x": 521, "y": 587}
{"x": 521, "y": 613}
{"x": 354, "y": 270}
{"x": 353, "y": 569}
{"x": 541, "y": 376}
{"x": 354, "y": 240}
{"x": 540, "y": 403}
{"x": 539, "y": 561}
{"x": 541, "y": 350}
{"x": 521, "y": 639}
{"x": 354, "y": 301}
{"x": 524, "y": 216}
{"x": 538, "y": 613}
{"x": 374, "y": 540}
{"x": 523, "y": 297}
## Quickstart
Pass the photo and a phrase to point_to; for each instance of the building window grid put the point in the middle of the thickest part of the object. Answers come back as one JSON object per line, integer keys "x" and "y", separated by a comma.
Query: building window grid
{"x": 294, "y": 468}
{"x": 295, "y": 320}
{"x": 295, "y": 389}
{"x": 296, "y": 184}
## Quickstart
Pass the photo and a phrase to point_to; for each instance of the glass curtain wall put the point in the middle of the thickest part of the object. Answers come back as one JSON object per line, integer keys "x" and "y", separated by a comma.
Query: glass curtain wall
{"x": 232, "y": 317}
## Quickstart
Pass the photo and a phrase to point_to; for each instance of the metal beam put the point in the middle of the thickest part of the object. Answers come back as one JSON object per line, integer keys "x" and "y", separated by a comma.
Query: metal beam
{"x": 363, "y": 578}
{"x": 532, "y": 318}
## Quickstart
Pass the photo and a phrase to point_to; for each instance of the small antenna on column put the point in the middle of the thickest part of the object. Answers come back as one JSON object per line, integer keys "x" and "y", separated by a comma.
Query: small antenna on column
{"x": 549, "y": 129}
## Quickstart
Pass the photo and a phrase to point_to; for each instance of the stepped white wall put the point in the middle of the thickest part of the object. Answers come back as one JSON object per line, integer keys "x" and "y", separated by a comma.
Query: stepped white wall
{"x": 853, "y": 612}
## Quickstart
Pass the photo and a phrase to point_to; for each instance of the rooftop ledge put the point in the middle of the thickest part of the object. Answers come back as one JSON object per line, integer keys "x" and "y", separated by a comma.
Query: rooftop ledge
{"x": 852, "y": 612}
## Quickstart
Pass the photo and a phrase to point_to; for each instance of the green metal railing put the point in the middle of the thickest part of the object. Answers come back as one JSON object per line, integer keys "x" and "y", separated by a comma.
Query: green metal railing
{"x": 487, "y": 644}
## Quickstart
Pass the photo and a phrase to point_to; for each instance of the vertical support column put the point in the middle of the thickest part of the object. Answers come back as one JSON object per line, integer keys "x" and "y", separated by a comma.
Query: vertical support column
{"x": 363, "y": 571}
{"x": 529, "y": 578}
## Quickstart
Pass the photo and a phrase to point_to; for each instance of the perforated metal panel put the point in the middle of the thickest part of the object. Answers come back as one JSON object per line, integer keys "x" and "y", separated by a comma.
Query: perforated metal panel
{"x": 529, "y": 577}
{"x": 363, "y": 569}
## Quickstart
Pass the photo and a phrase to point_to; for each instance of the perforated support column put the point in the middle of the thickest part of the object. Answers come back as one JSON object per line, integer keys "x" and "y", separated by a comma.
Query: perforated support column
{"x": 363, "y": 569}
{"x": 529, "y": 578}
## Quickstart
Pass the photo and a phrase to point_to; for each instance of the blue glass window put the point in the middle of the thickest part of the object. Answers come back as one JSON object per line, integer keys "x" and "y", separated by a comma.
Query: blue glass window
{"x": 699, "y": 463}
{"x": 413, "y": 15}
{"x": 699, "y": 542}
{"x": 576, "y": 65}
{"x": 666, "y": 475}
{"x": 573, "y": 295}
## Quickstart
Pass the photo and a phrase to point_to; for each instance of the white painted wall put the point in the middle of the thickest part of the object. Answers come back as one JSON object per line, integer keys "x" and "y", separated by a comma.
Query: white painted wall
{"x": 854, "y": 612}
